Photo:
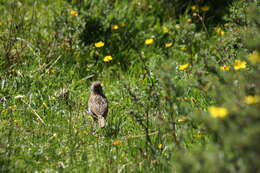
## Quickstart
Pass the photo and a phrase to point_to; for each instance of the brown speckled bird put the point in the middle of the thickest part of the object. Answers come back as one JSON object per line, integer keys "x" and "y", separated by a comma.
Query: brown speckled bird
{"x": 97, "y": 104}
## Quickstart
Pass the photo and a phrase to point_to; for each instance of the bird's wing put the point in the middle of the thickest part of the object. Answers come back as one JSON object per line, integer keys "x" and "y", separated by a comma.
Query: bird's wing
{"x": 88, "y": 111}
{"x": 98, "y": 106}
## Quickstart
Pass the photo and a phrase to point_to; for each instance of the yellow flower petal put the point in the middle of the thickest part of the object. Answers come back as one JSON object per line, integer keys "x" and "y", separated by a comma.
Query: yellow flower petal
{"x": 219, "y": 31}
{"x": 251, "y": 99}
{"x": 239, "y": 64}
{"x": 205, "y": 8}
{"x": 51, "y": 71}
{"x": 161, "y": 146}
{"x": 149, "y": 41}
{"x": 117, "y": 142}
{"x": 74, "y": 13}
{"x": 195, "y": 8}
{"x": 99, "y": 44}
{"x": 107, "y": 58}
{"x": 254, "y": 57}
{"x": 225, "y": 68}
{"x": 217, "y": 112}
{"x": 114, "y": 27}
{"x": 169, "y": 44}
{"x": 183, "y": 67}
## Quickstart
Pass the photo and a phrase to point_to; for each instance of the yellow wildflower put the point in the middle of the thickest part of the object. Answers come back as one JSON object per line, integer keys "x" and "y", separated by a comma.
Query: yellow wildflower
{"x": 183, "y": 67}
{"x": 107, "y": 58}
{"x": 51, "y": 71}
{"x": 99, "y": 44}
{"x": 161, "y": 146}
{"x": 251, "y": 99}
{"x": 169, "y": 44}
{"x": 165, "y": 29}
{"x": 239, "y": 64}
{"x": 195, "y": 8}
{"x": 117, "y": 142}
{"x": 182, "y": 119}
{"x": 254, "y": 57}
{"x": 225, "y": 68}
{"x": 74, "y": 13}
{"x": 114, "y": 27}
{"x": 149, "y": 41}
{"x": 219, "y": 31}
{"x": 217, "y": 112}
{"x": 205, "y": 8}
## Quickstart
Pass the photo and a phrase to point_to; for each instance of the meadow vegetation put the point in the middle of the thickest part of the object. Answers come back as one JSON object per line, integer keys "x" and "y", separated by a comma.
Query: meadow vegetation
{"x": 181, "y": 77}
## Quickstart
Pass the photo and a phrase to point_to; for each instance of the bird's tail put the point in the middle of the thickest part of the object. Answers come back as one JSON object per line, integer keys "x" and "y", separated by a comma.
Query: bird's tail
{"x": 101, "y": 122}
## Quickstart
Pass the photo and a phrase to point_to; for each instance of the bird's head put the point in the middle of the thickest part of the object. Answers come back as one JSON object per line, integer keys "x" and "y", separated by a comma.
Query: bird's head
{"x": 96, "y": 87}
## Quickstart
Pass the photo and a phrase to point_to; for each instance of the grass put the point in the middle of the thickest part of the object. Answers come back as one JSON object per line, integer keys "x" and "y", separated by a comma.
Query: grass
{"x": 158, "y": 118}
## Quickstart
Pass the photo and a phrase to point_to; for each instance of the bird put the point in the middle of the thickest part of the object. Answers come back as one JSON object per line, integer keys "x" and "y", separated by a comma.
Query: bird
{"x": 98, "y": 104}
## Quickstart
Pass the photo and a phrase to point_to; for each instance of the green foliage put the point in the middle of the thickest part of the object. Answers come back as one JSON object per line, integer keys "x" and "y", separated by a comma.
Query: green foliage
{"x": 182, "y": 83}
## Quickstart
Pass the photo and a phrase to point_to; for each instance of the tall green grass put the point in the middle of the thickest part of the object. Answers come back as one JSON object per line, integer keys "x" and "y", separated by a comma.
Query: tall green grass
{"x": 160, "y": 94}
